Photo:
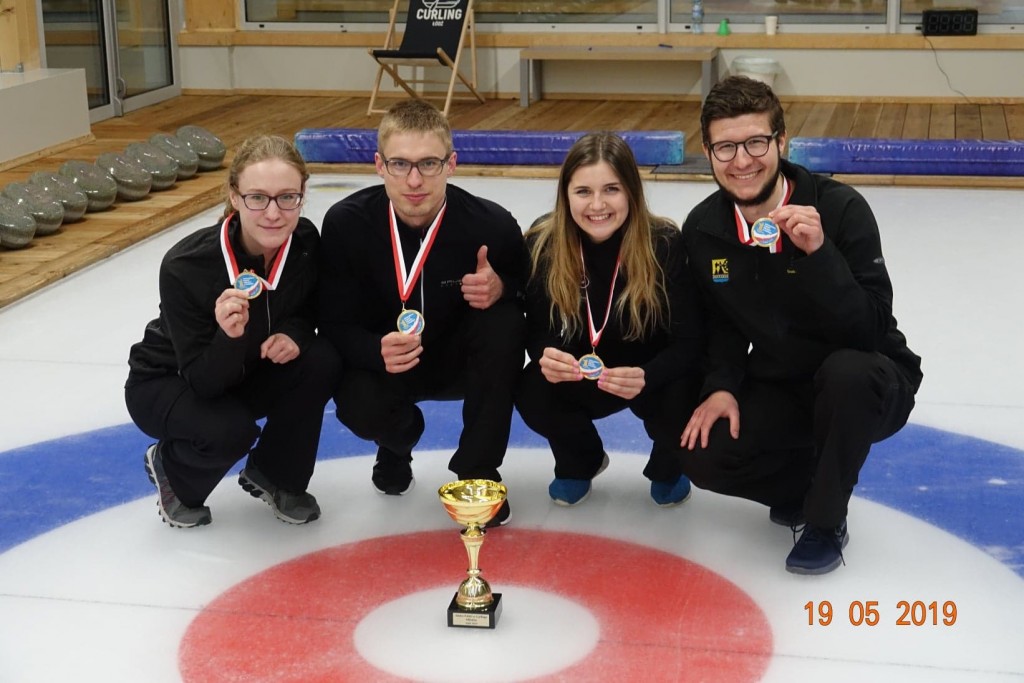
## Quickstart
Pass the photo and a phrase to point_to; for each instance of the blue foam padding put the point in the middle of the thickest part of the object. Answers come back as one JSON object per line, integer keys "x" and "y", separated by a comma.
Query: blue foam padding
{"x": 497, "y": 147}
{"x": 909, "y": 157}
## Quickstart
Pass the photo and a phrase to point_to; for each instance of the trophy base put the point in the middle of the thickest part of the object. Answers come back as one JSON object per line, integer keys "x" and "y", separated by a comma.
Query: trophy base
{"x": 476, "y": 618}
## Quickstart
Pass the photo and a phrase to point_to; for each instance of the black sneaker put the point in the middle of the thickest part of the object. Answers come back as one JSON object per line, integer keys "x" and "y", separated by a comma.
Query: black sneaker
{"x": 501, "y": 517}
{"x": 172, "y": 510}
{"x": 818, "y": 551}
{"x": 787, "y": 515}
{"x": 293, "y": 508}
{"x": 392, "y": 473}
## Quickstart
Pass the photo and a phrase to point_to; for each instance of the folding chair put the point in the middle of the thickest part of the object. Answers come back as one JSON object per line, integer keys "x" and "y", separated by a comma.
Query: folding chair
{"x": 435, "y": 35}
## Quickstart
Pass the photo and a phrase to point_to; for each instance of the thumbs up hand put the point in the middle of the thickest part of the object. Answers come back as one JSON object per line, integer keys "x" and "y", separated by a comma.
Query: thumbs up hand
{"x": 482, "y": 287}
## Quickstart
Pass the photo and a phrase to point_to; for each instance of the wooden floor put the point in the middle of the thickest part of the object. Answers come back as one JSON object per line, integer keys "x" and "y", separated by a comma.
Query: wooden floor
{"x": 233, "y": 118}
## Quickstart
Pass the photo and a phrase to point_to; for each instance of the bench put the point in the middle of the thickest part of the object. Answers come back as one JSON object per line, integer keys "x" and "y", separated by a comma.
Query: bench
{"x": 530, "y": 59}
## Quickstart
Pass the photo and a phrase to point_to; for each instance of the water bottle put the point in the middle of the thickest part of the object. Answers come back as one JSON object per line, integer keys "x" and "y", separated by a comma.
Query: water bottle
{"x": 697, "y": 15}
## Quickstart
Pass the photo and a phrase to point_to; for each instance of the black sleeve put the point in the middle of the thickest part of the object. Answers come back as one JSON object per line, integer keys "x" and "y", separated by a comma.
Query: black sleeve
{"x": 507, "y": 255}
{"x": 208, "y": 359}
{"x": 341, "y": 301}
{"x": 724, "y": 345}
{"x": 539, "y": 330}
{"x": 846, "y": 279}
{"x": 682, "y": 355}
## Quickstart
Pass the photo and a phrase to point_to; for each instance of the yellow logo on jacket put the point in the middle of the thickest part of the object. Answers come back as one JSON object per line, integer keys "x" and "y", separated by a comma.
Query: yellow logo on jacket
{"x": 719, "y": 270}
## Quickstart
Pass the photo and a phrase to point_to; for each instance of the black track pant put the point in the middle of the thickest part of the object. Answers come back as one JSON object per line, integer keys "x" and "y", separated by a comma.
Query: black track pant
{"x": 478, "y": 362}
{"x": 564, "y": 414}
{"x": 202, "y": 438}
{"x": 805, "y": 443}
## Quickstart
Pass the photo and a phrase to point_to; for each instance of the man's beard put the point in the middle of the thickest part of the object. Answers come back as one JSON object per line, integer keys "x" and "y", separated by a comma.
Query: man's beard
{"x": 760, "y": 198}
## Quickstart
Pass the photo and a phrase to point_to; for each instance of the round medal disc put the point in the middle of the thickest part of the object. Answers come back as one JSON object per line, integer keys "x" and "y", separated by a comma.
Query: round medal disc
{"x": 411, "y": 322}
{"x": 591, "y": 366}
{"x": 250, "y": 283}
{"x": 764, "y": 232}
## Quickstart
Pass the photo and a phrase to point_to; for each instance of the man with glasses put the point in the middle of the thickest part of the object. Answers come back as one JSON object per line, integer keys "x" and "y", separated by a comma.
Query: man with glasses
{"x": 806, "y": 367}
{"x": 421, "y": 293}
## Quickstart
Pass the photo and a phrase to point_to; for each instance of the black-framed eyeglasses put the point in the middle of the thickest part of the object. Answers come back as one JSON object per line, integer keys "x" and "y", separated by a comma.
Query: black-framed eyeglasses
{"x": 756, "y": 146}
{"x": 430, "y": 166}
{"x": 257, "y": 201}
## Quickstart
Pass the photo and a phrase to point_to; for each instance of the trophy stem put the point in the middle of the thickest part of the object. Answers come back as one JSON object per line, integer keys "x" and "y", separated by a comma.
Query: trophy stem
{"x": 474, "y": 591}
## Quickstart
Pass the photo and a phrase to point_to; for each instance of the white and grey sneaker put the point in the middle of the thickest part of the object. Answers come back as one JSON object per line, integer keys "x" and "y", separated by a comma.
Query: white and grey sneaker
{"x": 172, "y": 510}
{"x": 293, "y": 508}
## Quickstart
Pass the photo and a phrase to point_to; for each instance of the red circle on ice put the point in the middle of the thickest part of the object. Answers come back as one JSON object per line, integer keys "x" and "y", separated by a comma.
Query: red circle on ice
{"x": 655, "y": 609}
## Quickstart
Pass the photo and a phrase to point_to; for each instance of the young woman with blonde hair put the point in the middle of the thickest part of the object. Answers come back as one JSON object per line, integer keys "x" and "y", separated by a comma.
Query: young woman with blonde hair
{"x": 612, "y": 323}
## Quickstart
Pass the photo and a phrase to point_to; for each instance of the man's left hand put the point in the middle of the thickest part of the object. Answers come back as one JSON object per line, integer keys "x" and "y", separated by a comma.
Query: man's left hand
{"x": 802, "y": 224}
{"x": 482, "y": 288}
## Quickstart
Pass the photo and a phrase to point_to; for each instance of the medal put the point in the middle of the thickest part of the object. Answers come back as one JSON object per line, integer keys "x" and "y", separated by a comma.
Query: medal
{"x": 591, "y": 366}
{"x": 410, "y": 321}
{"x": 250, "y": 283}
{"x": 764, "y": 232}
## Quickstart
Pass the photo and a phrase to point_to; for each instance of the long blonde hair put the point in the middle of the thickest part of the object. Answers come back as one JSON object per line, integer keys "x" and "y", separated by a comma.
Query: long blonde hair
{"x": 260, "y": 148}
{"x": 642, "y": 306}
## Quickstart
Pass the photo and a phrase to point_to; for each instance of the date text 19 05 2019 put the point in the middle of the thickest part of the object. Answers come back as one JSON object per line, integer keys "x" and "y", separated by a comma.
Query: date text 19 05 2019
{"x": 866, "y": 613}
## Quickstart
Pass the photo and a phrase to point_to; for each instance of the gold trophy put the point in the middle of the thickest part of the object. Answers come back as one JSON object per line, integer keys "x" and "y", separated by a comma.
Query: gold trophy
{"x": 473, "y": 502}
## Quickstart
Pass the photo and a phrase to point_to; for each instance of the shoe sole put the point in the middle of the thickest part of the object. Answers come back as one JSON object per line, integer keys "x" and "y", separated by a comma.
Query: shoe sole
{"x": 151, "y": 473}
{"x": 567, "y": 504}
{"x": 257, "y": 491}
{"x": 818, "y": 571}
{"x": 410, "y": 487}
{"x": 675, "y": 503}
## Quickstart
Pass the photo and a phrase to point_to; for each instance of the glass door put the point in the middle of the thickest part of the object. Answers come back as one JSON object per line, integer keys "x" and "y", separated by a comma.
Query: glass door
{"x": 75, "y": 37}
{"x": 146, "y": 51}
{"x": 127, "y": 48}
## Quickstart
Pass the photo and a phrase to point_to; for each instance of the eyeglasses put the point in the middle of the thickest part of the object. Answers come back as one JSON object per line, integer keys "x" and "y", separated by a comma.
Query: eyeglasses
{"x": 756, "y": 146}
{"x": 430, "y": 166}
{"x": 257, "y": 201}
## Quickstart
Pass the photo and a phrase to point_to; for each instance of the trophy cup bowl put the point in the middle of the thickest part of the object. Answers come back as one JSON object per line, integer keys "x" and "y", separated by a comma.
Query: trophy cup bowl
{"x": 472, "y": 503}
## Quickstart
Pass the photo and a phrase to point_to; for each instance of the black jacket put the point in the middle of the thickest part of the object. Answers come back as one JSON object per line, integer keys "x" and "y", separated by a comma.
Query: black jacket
{"x": 666, "y": 354}
{"x": 186, "y": 339}
{"x": 791, "y": 310}
{"x": 359, "y": 300}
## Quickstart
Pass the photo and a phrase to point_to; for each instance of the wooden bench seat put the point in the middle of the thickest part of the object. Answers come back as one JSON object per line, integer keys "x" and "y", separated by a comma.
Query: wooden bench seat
{"x": 530, "y": 60}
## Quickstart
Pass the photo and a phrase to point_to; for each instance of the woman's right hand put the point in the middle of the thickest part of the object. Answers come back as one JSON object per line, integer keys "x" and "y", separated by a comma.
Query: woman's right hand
{"x": 559, "y": 366}
{"x": 232, "y": 312}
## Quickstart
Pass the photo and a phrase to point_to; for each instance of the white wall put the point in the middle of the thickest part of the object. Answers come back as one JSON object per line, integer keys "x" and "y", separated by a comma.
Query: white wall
{"x": 41, "y": 108}
{"x": 818, "y": 72}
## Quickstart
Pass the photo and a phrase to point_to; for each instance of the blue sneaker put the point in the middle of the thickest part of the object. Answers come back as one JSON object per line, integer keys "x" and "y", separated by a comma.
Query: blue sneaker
{"x": 569, "y": 492}
{"x": 818, "y": 551}
{"x": 670, "y": 493}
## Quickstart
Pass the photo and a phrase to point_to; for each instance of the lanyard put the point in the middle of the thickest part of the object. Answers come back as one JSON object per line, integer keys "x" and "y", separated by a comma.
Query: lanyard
{"x": 276, "y": 268}
{"x": 595, "y": 334}
{"x": 406, "y": 281}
